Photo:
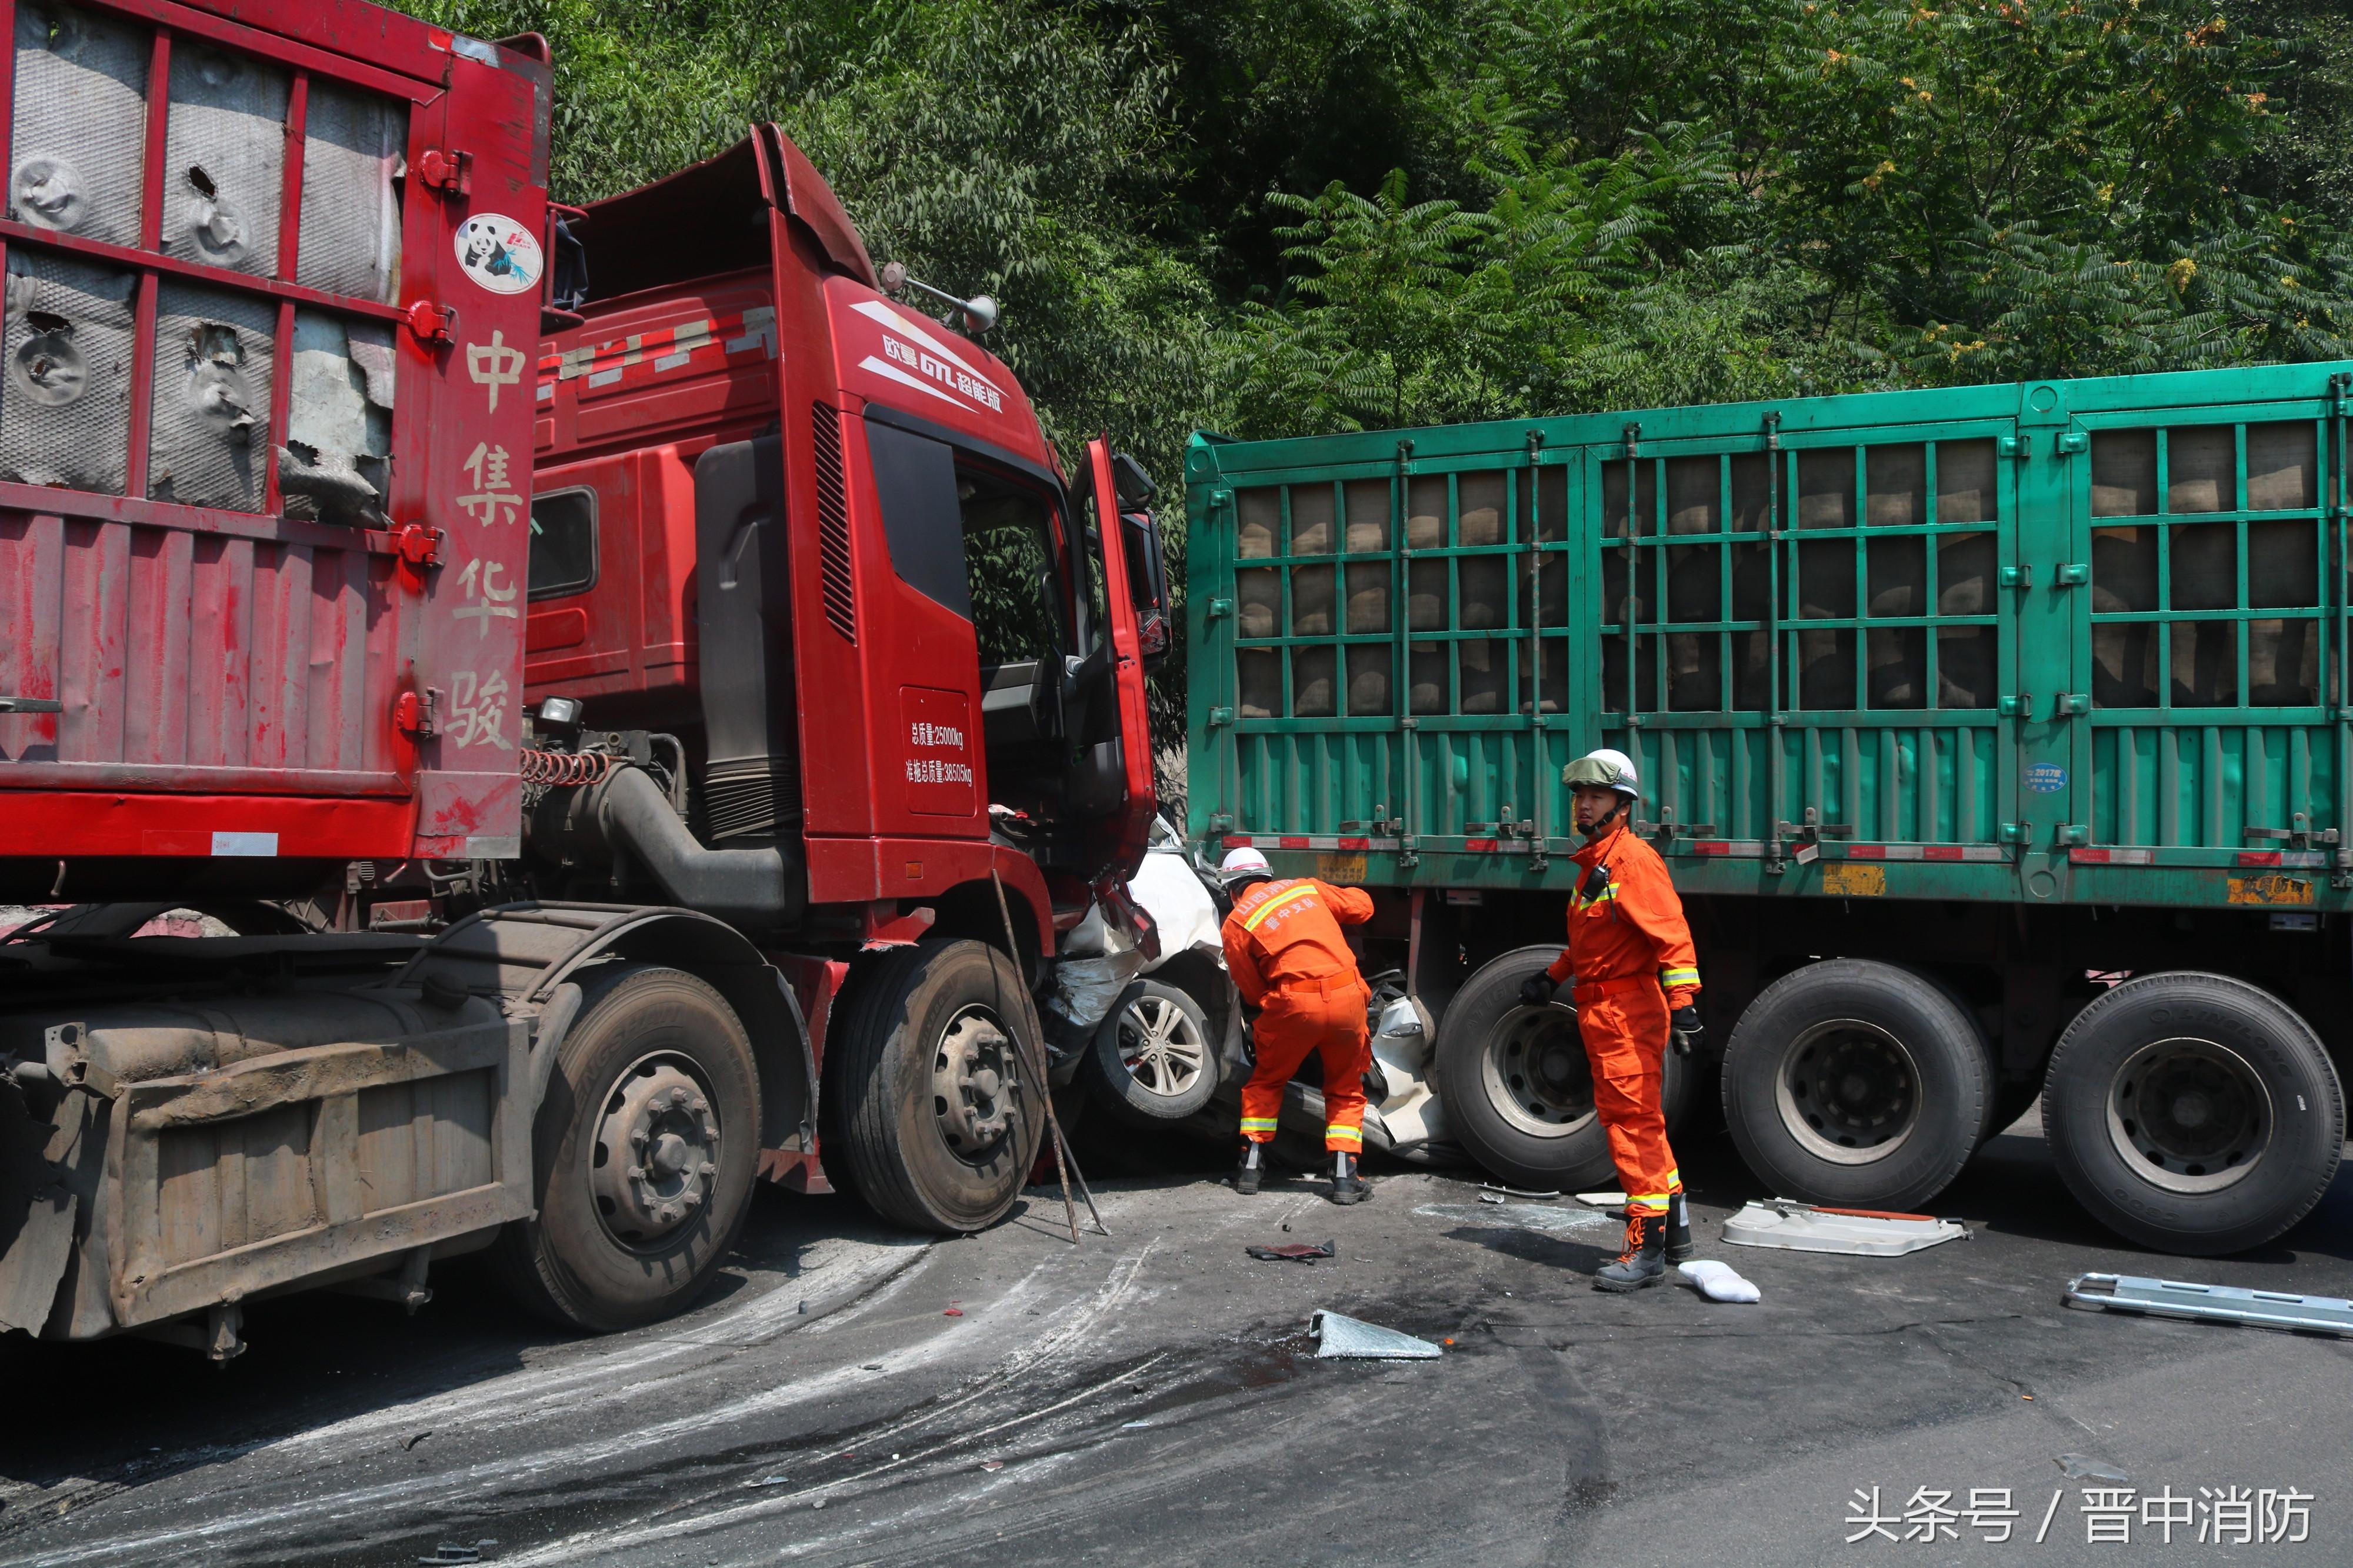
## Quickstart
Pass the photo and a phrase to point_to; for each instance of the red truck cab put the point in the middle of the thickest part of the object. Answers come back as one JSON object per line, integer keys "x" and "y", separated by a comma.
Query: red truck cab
{"x": 930, "y": 683}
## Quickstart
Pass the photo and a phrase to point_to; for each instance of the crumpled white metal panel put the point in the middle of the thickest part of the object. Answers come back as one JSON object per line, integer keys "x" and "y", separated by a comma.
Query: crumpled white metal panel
{"x": 1798, "y": 1227}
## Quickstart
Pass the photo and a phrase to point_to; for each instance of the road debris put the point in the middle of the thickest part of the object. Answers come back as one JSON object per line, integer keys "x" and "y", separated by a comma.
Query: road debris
{"x": 953, "y": 1312}
{"x": 1485, "y": 1187}
{"x": 1862, "y": 1233}
{"x": 2211, "y": 1303}
{"x": 1718, "y": 1281}
{"x": 1491, "y": 1197}
{"x": 1293, "y": 1252}
{"x": 1521, "y": 1216}
{"x": 1341, "y": 1337}
{"x": 446, "y": 1554}
{"x": 769, "y": 1481}
{"x": 2082, "y": 1468}
{"x": 992, "y": 1466}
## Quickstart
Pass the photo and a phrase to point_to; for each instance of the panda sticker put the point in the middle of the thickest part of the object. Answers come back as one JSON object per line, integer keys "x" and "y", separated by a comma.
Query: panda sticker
{"x": 498, "y": 253}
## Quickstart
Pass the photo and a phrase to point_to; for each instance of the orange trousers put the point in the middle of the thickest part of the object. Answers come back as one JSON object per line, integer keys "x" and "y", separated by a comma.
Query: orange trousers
{"x": 1325, "y": 1016}
{"x": 1624, "y": 1022}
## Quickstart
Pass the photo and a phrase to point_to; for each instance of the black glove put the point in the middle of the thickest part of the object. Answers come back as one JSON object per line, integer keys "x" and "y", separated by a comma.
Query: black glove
{"x": 1685, "y": 1029}
{"x": 1536, "y": 990}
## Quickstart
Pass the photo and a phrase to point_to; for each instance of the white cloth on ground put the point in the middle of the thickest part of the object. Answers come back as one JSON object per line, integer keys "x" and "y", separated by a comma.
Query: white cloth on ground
{"x": 1717, "y": 1283}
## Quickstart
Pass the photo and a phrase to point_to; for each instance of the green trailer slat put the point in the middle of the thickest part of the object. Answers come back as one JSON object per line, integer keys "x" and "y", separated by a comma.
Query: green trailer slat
{"x": 2057, "y": 641}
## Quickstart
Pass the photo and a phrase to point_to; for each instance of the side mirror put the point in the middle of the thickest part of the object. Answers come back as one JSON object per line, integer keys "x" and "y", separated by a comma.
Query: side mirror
{"x": 1136, "y": 488}
{"x": 1147, "y": 572}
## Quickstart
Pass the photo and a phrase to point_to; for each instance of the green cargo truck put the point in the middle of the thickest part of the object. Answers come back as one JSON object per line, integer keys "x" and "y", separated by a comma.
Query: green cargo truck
{"x": 1997, "y": 737}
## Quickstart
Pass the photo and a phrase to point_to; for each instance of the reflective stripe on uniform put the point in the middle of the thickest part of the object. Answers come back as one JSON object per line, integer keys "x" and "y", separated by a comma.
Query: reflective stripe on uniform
{"x": 1608, "y": 891}
{"x": 1671, "y": 978}
{"x": 1305, "y": 891}
{"x": 1259, "y": 1123}
{"x": 1353, "y": 1134}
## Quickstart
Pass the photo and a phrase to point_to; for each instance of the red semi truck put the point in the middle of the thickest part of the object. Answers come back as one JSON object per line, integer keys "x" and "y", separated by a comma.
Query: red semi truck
{"x": 645, "y": 701}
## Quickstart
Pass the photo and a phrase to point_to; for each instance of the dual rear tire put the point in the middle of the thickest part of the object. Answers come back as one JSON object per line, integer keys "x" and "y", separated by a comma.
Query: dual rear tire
{"x": 2192, "y": 1113}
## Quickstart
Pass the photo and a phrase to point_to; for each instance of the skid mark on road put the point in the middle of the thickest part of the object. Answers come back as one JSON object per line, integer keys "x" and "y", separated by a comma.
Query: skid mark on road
{"x": 626, "y": 1452}
{"x": 744, "y": 1513}
{"x": 535, "y": 1394}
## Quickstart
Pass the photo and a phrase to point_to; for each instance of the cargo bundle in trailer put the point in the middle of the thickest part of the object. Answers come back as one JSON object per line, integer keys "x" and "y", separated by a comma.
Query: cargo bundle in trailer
{"x": 1998, "y": 738}
{"x": 549, "y": 648}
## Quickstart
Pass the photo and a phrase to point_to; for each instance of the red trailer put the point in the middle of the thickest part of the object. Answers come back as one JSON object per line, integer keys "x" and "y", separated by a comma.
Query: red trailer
{"x": 691, "y": 784}
{"x": 263, "y": 443}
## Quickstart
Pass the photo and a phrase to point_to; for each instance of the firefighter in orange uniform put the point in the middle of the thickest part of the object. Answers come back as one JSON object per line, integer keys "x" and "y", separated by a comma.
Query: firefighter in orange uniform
{"x": 1630, "y": 953}
{"x": 1285, "y": 949}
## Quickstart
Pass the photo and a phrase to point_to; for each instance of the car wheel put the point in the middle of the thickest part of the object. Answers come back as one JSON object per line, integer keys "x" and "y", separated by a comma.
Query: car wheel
{"x": 1151, "y": 1060}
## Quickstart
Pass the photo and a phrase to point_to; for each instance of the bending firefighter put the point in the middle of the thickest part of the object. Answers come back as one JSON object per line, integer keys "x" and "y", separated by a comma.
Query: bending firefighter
{"x": 1636, "y": 974}
{"x": 1285, "y": 949}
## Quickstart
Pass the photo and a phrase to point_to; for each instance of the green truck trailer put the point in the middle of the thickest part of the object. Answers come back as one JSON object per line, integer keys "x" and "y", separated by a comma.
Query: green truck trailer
{"x": 1998, "y": 737}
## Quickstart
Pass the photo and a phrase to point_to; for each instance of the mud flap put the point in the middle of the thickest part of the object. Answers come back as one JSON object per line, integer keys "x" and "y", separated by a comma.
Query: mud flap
{"x": 35, "y": 1261}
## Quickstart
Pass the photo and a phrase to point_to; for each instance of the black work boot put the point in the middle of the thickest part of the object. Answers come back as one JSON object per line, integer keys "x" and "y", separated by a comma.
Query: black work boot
{"x": 1679, "y": 1241}
{"x": 1347, "y": 1185}
{"x": 1252, "y": 1167}
{"x": 1643, "y": 1261}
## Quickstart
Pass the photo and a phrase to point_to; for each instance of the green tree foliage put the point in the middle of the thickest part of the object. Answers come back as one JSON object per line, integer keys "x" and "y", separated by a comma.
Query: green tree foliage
{"x": 1287, "y": 216}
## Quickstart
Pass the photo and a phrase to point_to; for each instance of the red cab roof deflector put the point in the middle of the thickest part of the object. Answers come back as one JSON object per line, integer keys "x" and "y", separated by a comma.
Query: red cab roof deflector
{"x": 704, "y": 220}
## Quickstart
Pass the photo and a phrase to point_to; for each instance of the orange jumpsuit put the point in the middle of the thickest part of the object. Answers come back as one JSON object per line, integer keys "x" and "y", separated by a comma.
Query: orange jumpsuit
{"x": 1285, "y": 949}
{"x": 1631, "y": 955}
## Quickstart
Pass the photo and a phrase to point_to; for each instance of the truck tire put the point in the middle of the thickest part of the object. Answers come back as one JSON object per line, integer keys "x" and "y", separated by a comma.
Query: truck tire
{"x": 1857, "y": 1083}
{"x": 1515, "y": 1082}
{"x": 2193, "y": 1113}
{"x": 929, "y": 1103}
{"x": 1153, "y": 1060}
{"x": 644, "y": 1148}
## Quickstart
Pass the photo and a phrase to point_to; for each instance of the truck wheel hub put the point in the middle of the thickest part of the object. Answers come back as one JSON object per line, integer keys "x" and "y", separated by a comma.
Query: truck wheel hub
{"x": 1848, "y": 1091}
{"x": 975, "y": 1081}
{"x": 2189, "y": 1116}
{"x": 657, "y": 1151}
{"x": 1535, "y": 1073}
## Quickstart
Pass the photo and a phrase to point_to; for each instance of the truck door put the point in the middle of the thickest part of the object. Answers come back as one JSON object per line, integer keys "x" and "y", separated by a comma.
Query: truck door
{"x": 2046, "y": 700}
{"x": 1116, "y": 774}
{"x": 2200, "y": 592}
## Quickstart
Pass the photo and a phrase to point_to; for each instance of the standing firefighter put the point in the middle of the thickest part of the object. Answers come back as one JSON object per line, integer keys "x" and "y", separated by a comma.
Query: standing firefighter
{"x": 1288, "y": 959}
{"x": 1636, "y": 974}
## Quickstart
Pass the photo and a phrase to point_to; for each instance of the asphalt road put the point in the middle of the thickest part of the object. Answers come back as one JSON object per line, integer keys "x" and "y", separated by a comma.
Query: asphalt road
{"x": 1153, "y": 1397}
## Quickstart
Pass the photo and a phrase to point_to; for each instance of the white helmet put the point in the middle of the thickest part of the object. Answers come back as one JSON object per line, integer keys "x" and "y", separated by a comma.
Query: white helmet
{"x": 1604, "y": 769}
{"x": 1241, "y": 864}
